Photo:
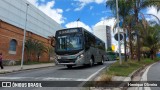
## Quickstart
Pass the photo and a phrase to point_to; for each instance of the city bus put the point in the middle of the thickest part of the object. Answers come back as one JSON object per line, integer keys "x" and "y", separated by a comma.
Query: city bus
{"x": 77, "y": 46}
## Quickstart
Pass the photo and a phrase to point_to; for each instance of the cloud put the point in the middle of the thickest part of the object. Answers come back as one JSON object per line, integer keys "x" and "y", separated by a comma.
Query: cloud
{"x": 91, "y": 1}
{"x": 68, "y": 9}
{"x": 106, "y": 21}
{"x": 81, "y": 6}
{"x": 153, "y": 10}
{"x": 55, "y": 14}
{"x": 80, "y": 24}
{"x": 82, "y": 3}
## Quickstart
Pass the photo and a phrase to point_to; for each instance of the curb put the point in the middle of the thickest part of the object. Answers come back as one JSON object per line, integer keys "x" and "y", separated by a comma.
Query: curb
{"x": 10, "y": 71}
{"x": 130, "y": 77}
{"x": 135, "y": 72}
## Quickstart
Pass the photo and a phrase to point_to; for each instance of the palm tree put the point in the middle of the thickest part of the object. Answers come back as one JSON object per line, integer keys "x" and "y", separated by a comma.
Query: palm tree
{"x": 124, "y": 10}
{"x": 29, "y": 48}
{"x": 50, "y": 52}
{"x": 129, "y": 24}
{"x": 39, "y": 49}
{"x": 152, "y": 39}
{"x": 137, "y": 6}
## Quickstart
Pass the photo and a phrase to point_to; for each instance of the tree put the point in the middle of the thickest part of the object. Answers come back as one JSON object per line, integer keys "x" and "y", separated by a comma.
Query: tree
{"x": 29, "y": 48}
{"x": 39, "y": 49}
{"x": 124, "y": 11}
{"x": 109, "y": 49}
{"x": 152, "y": 40}
{"x": 135, "y": 6}
{"x": 129, "y": 24}
{"x": 34, "y": 48}
{"x": 50, "y": 52}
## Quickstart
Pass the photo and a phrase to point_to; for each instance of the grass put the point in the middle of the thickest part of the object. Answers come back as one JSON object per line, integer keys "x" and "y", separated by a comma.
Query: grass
{"x": 128, "y": 67}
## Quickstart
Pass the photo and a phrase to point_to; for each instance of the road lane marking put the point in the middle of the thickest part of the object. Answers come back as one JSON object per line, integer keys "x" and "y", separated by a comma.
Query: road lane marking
{"x": 91, "y": 76}
{"x": 144, "y": 77}
{"x": 42, "y": 78}
{"x": 63, "y": 79}
{"x": 12, "y": 78}
{"x": 94, "y": 74}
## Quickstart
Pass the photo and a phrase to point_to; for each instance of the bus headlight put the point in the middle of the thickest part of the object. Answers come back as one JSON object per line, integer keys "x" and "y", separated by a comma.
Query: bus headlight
{"x": 80, "y": 56}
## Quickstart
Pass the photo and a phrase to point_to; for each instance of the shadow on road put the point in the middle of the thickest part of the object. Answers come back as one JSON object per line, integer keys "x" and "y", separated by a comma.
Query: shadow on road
{"x": 78, "y": 67}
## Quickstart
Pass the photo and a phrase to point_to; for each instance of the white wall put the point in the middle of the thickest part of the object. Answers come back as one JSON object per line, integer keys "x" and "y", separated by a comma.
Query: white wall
{"x": 14, "y": 12}
{"x": 100, "y": 32}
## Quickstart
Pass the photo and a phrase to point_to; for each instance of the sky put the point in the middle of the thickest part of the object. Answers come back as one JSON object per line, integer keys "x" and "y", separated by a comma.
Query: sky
{"x": 67, "y": 12}
{"x": 90, "y": 13}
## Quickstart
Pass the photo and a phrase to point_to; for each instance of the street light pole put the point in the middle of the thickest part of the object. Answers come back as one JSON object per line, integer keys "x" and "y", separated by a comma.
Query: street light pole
{"x": 24, "y": 38}
{"x": 119, "y": 45}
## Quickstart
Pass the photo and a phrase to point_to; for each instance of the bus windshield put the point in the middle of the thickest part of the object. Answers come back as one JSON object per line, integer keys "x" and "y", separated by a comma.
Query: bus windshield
{"x": 69, "y": 42}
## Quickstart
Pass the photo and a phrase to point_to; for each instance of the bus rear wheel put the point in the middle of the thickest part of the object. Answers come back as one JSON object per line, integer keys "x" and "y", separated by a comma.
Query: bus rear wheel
{"x": 91, "y": 62}
{"x": 102, "y": 61}
{"x": 69, "y": 66}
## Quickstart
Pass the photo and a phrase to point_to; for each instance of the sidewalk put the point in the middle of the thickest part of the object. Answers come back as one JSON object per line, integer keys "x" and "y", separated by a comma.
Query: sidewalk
{"x": 8, "y": 69}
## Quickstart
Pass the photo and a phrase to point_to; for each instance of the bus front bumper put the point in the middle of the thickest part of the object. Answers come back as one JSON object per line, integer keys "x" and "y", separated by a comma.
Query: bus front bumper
{"x": 73, "y": 62}
{"x": 66, "y": 64}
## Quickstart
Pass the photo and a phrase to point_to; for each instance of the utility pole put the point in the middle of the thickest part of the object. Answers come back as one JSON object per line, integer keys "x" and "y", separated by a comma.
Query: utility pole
{"x": 24, "y": 37}
{"x": 119, "y": 44}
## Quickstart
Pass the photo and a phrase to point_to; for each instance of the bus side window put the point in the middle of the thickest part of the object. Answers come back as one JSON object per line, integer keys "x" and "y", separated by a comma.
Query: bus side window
{"x": 87, "y": 44}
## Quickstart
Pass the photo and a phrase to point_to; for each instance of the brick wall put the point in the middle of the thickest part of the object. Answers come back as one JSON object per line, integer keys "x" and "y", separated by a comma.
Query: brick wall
{"x": 9, "y": 32}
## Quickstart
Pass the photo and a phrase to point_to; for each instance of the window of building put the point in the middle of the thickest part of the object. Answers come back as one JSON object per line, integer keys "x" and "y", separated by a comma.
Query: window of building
{"x": 12, "y": 46}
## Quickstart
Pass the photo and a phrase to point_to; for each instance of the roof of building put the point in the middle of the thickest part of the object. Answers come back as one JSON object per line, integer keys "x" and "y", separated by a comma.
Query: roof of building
{"x": 15, "y": 11}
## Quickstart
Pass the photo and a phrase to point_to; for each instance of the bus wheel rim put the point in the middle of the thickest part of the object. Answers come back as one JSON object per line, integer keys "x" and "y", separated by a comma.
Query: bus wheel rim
{"x": 102, "y": 60}
{"x": 91, "y": 62}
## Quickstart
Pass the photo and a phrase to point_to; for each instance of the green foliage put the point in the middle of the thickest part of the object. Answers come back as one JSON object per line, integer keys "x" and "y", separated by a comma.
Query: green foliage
{"x": 109, "y": 49}
{"x": 50, "y": 51}
{"x": 29, "y": 48}
{"x": 133, "y": 20}
{"x": 128, "y": 67}
{"x": 39, "y": 49}
{"x": 34, "y": 48}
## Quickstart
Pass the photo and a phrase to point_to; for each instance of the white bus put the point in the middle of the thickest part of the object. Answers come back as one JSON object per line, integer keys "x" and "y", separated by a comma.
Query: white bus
{"x": 77, "y": 46}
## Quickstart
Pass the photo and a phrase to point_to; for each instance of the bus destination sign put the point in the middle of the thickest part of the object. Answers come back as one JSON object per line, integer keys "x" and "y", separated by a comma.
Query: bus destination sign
{"x": 68, "y": 31}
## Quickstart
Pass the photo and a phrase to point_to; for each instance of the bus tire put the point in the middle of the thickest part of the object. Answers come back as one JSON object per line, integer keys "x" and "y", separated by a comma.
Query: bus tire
{"x": 91, "y": 62}
{"x": 69, "y": 66}
{"x": 102, "y": 61}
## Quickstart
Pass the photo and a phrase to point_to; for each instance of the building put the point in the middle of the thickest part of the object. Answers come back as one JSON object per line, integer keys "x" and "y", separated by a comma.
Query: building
{"x": 12, "y": 24}
{"x": 104, "y": 33}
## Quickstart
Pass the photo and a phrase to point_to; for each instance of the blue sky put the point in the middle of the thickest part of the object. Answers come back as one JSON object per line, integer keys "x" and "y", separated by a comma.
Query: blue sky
{"x": 91, "y": 13}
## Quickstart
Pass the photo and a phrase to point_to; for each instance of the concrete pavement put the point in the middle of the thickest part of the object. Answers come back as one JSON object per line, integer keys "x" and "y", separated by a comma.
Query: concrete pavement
{"x": 8, "y": 69}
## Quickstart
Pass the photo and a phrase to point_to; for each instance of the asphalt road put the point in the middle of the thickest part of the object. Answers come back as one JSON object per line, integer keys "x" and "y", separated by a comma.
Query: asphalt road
{"x": 154, "y": 74}
{"x": 56, "y": 73}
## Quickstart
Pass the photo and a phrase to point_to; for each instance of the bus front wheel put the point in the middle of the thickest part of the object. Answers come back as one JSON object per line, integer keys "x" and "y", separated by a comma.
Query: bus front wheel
{"x": 69, "y": 66}
{"x": 91, "y": 62}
